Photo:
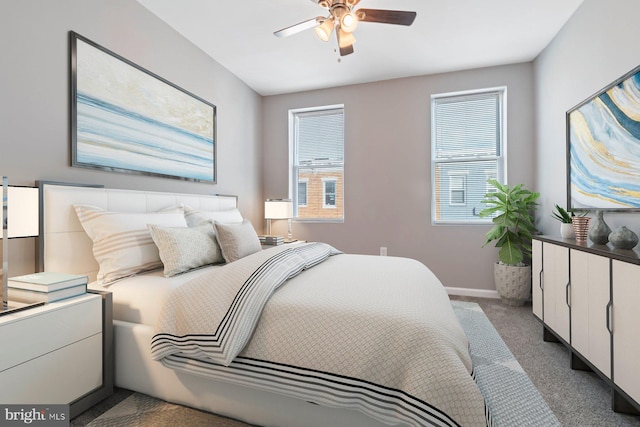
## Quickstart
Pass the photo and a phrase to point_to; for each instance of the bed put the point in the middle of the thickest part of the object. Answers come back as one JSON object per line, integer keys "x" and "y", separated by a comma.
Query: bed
{"x": 298, "y": 334}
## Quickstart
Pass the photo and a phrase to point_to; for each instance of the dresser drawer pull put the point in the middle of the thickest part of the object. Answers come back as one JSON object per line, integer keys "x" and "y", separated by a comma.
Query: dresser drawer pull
{"x": 609, "y": 306}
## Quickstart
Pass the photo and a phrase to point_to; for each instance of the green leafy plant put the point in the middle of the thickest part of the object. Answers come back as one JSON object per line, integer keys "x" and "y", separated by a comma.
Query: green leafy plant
{"x": 566, "y": 216}
{"x": 562, "y": 215}
{"x": 513, "y": 222}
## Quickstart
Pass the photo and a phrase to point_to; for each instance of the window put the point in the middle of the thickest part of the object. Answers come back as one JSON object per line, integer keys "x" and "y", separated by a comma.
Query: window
{"x": 302, "y": 192}
{"x": 467, "y": 148}
{"x": 317, "y": 163}
{"x": 457, "y": 190}
{"x": 329, "y": 198}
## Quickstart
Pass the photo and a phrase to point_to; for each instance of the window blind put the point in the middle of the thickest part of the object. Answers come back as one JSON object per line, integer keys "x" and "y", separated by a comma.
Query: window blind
{"x": 318, "y": 158}
{"x": 467, "y": 147}
{"x": 320, "y": 136}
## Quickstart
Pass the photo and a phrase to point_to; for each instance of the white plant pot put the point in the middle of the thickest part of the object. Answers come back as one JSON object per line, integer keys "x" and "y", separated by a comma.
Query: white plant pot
{"x": 566, "y": 231}
{"x": 513, "y": 283}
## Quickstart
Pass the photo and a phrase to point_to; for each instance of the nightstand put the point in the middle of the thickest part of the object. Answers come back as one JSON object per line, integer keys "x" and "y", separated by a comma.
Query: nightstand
{"x": 58, "y": 353}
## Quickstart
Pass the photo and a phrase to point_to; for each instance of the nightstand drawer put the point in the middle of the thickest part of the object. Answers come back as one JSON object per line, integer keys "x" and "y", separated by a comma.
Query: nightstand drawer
{"x": 57, "y": 377}
{"x": 31, "y": 333}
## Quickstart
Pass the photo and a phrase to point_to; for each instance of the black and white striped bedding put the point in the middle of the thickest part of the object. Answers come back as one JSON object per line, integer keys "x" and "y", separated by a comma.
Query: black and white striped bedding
{"x": 376, "y": 334}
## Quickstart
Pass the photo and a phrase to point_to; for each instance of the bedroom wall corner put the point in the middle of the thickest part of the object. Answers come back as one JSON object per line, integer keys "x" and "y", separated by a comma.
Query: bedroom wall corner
{"x": 35, "y": 88}
{"x": 596, "y": 46}
{"x": 388, "y": 171}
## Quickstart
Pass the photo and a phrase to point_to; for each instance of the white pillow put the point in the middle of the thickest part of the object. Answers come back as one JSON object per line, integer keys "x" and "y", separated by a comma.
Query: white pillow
{"x": 196, "y": 217}
{"x": 122, "y": 243}
{"x": 185, "y": 248}
{"x": 237, "y": 240}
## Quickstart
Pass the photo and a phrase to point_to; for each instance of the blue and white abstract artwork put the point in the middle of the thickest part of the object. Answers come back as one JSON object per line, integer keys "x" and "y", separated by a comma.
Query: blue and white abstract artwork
{"x": 604, "y": 148}
{"x": 129, "y": 120}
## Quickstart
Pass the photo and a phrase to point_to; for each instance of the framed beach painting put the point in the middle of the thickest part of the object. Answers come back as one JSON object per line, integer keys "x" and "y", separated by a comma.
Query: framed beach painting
{"x": 126, "y": 119}
{"x": 603, "y": 148}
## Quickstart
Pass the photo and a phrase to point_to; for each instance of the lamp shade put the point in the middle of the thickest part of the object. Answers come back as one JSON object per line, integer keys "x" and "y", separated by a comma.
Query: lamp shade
{"x": 22, "y": 212}
{"x": 345, "y": 39}
{"x": 323, "y": 31}
{"x": 20, "y": 218}
{"x": 278, "y": 209}
{"x": 349, "y": 22}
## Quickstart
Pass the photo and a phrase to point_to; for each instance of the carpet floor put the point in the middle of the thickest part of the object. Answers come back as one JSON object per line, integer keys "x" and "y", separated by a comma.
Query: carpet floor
{"x": 574, "y": 398}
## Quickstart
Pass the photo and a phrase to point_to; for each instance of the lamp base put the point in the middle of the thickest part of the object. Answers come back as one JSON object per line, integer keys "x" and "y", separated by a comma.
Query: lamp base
{"x": 14, "y": 306}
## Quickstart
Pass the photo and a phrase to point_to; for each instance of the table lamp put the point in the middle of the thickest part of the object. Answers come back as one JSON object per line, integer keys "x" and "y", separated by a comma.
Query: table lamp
{"x": 279, "y": 209}
{"x": 20, "y": 216}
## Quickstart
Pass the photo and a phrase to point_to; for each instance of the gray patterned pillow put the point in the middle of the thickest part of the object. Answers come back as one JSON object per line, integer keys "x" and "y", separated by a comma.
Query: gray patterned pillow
{"x": 185, "y": 248}
{"x": 237, "y": 240}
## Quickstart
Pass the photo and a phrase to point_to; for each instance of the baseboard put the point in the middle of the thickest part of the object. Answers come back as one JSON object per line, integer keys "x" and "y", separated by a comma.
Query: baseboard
{"x": 468, "y": 292}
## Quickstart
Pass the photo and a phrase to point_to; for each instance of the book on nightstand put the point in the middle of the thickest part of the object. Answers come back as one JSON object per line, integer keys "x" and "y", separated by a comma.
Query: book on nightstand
{"x": 27, "y": 296}
{"x": 46, "y": 287}
{"x": 46, "y": 281}
{"x": 271, "y": 240}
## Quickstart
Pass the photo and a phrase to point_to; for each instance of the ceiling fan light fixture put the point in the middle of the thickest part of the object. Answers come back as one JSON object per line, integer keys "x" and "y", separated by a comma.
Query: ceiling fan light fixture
{"x": 349, "y": 22}
{"x": 345, "y": 39}
{"x": 323, "y": 31}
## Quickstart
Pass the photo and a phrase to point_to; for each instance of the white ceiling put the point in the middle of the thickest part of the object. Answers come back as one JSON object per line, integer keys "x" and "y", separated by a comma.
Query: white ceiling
{"x": 447, "y": 35}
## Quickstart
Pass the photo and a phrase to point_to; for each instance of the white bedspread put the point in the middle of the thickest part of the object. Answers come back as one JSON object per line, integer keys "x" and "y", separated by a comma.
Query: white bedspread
{"x": 377, "y": 334}
{"x": 139, "y": 299}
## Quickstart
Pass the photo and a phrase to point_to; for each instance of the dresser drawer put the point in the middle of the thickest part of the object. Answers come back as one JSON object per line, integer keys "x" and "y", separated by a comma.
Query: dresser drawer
{"x": 34, "y": 332}
{"x": 60, "y": 376}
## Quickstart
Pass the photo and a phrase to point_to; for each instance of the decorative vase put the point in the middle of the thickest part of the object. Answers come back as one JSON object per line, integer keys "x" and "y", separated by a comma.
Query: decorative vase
{"x": 599, "y": 230}
{"x": 623, "y": 238}
{"x": 513, "y": 283}
{"x": 581, "y": 227}
{"x": 566, "y": 230}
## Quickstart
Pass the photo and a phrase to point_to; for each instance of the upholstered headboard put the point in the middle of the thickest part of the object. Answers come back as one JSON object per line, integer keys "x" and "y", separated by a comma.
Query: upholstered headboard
{"x": 63, "y": 244}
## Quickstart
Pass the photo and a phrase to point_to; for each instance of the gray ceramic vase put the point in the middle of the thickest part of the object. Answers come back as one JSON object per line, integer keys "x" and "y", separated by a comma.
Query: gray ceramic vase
{"x": 623, "y": 238}
{"x": 599, "y": 230}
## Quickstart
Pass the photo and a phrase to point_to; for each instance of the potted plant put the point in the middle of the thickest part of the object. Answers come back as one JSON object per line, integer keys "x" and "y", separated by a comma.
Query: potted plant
{"x": 513, "y": 227}
{"x": 566, "y": 219}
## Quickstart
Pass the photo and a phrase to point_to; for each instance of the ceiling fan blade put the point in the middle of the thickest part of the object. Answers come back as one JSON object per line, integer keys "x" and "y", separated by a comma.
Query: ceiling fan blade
{"x": 347, "y": 50}
{"x": 396, "y": 17}
{"x": 301, "y": 26}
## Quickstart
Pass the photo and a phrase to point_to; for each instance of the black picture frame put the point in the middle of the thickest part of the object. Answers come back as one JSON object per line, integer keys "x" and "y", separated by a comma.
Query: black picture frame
{"x": 125, "y": 118}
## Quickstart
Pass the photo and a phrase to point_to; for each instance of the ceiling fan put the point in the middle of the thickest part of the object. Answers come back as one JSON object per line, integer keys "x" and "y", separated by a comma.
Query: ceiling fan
{"x": 344, "y": 19}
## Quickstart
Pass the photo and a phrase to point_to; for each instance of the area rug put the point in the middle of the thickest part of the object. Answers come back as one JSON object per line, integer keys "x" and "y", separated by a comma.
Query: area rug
{"x": 140, "y": 410}
{"x": 510, "y": 394}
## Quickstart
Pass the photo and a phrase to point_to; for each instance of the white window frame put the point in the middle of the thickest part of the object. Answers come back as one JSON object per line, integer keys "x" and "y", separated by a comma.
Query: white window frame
{"x": 463, "y": 188}
{"x": 293, "y": 168}
{"x": 501, "y": 158}
{"x": 304, "y": 181}
{"x": 324, "y": 193}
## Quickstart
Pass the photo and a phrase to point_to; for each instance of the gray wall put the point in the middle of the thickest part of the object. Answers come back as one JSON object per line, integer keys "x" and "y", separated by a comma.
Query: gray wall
{"x": 597, "y": 46}
{"x": 34, "y": 90}
{"x": 387, "y": 128}
{"x": 388, "y": 171}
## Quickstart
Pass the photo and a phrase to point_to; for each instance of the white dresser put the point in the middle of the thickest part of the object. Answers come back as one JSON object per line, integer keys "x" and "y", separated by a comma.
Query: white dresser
{"x": 588, "y": 297}
{"x": 58, "y": 353}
